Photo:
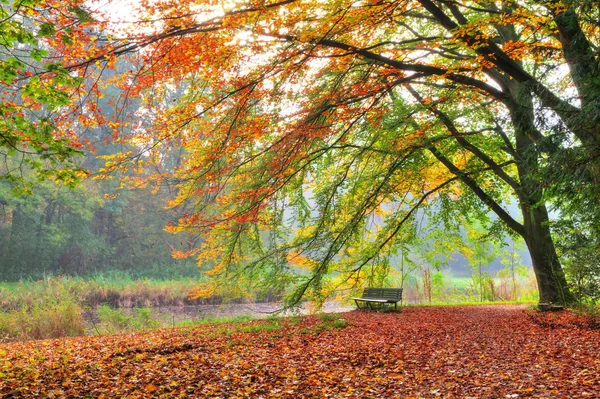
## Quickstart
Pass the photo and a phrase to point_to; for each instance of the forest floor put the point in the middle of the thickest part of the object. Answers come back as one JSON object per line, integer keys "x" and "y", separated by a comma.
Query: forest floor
{"x": 421, "y": 352}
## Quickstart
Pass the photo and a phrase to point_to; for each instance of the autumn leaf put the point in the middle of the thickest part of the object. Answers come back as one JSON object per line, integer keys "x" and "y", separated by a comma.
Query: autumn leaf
{"x": 456, "y": 352}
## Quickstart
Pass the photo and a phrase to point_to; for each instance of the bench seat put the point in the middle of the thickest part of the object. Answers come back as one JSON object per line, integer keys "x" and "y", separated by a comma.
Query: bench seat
{"x": 380, "y": 295}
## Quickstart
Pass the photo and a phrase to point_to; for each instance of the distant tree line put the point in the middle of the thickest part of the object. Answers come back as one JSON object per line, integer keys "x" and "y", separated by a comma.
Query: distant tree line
{"x": 58, "y": 230}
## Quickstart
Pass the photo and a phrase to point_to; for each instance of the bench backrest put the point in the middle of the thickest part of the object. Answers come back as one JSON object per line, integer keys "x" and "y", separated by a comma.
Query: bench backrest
{"x": 383, "y": 293}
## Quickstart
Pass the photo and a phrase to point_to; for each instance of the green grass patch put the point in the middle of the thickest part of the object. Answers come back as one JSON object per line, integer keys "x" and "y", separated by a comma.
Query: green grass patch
{"x": 258, "y": 327}
{"x": 114, "y": 321}
{"x": 216, "y": 320}
{"x": 469, "y": 303}
{"x": 329, "y": 322}
{"x": 460, "y": 283}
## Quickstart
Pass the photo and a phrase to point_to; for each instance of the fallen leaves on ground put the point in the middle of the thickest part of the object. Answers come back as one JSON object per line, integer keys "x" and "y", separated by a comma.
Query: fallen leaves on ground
{"x": 449, "y": 352}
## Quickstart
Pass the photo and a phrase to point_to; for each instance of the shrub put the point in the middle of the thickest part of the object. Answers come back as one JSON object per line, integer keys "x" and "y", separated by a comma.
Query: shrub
{"x": 49, "y": 318}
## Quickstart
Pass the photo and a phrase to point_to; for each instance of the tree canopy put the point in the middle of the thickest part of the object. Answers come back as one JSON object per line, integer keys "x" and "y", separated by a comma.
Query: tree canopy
{"x": 313, "y": 131}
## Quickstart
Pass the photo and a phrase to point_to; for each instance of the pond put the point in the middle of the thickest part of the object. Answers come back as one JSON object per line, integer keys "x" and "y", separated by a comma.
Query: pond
{"x": 175, "y": 315}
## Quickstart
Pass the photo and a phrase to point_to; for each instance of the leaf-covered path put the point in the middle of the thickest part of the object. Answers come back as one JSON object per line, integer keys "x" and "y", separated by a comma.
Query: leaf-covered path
{"x": 454, "y": 352}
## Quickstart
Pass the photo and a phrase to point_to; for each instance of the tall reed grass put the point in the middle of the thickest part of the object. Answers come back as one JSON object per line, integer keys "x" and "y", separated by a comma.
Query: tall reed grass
{"x": 55, "y": 307}
{"x": 51, "y": 316}
{"x": 116, "y": 290}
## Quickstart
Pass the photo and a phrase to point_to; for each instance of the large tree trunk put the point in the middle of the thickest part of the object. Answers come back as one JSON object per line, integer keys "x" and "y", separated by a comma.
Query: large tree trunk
{"x": 551, "y": 281}
{"x": 550, "y": 277}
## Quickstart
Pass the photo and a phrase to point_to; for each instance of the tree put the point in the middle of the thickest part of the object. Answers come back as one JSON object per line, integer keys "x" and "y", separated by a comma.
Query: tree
{"x": 514, "y": 269}
{"x": 35, "y": 88}
{"x": 365, "y": 108}
{"x": 482, "y": 252}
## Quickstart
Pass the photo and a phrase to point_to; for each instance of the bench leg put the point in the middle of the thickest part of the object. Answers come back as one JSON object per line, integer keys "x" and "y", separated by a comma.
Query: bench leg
{"x": 357, "y": 305}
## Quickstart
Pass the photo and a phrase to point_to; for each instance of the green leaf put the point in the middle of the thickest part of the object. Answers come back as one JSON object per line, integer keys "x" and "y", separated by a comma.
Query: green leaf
{"x": 38, "y": 54}
{"x": 66, "y": 39}
{"x": 47, "y": 29}
{"x": 55, "y": 67}
{"x": 82, "y": 14}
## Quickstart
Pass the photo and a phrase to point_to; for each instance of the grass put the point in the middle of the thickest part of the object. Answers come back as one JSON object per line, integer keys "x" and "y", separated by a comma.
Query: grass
{"x": 216, "y": 320}
{"x": 261, "y": 326}
{"x": 52, "y": 318}
{"x": 61, "y": 316}
{"x": 461, "y": 283}
{"x": 54, "y": 307}
{"x": 114, "y": 321}
{"x": 471, "y": 303}
{"x": 327, "y": 322}
{"x": 116, "y": 290}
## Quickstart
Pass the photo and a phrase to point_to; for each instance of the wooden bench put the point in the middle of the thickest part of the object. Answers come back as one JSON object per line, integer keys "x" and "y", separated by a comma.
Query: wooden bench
{"x": 380, "y": 295}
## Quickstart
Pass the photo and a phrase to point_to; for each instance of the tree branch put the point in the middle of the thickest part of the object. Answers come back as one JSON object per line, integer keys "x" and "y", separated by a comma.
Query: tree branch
{"x": 465, "y": 143}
